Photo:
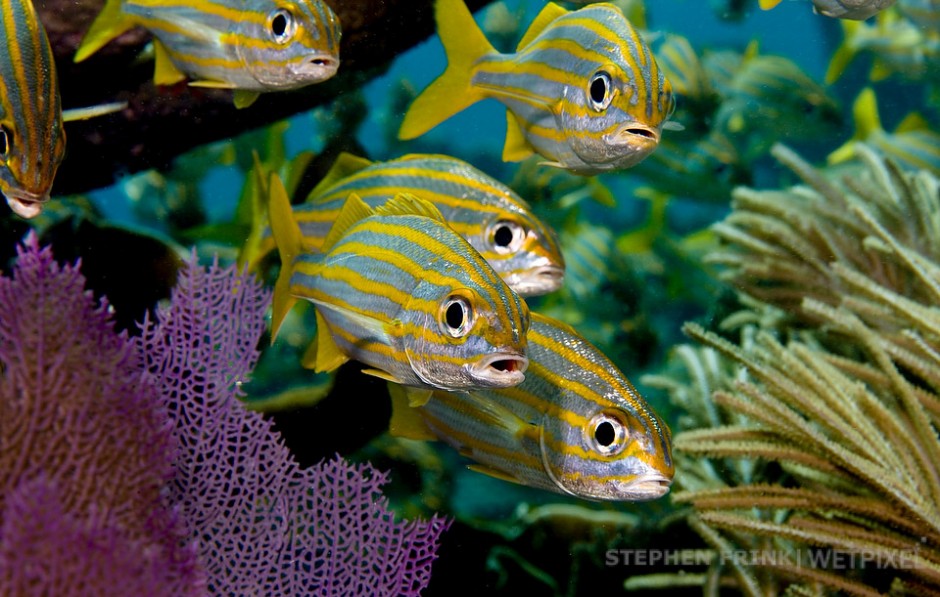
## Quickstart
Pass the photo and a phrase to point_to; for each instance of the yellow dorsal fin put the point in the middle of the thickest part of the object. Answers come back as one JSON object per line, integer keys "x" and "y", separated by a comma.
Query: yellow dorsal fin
{"x": 164, "y": 72}
{"x": 913, "y": 122}
{"x": 242, "y": 98}
{"x": 287, "y": 237}
{"x": 109, "y": 23}
{"x": 516, "y": 148}
{"x": 865, "y": 114}
{"x": 464, "y": 44}
{"x": 406, "y": 421}
{"x": 406, "y": 204}
{"x": 354, "y": 209}
{"x": 845, "y": 53}
{"x": 549, "y": 13}
{"x": 346, "y": 165}
{"x": 768, "y": 4}
{"x": 751, "y": 51}
{"x": 328, "y": 354}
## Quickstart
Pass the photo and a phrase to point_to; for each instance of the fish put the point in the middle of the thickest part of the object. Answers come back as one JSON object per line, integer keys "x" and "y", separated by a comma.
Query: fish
{"x": 496, "y": 221}
{"x": 898, "y": 46}
{"x": 396, "y": 289}
{"x": 575, "y": 426}
{"x": 32, "y": 134}
{"x": 691, "y": 83}
{"x": 857, "y": 10}
{"x": 250, "y": 46}
{"x": 583, "y": 89}
{"x": 912, "y": 144}
{"x": 771, "y": 99}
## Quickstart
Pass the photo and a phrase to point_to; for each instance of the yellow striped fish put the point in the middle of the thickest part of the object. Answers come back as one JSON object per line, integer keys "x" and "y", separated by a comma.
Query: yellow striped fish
{"x": 575, "y": 425}
{"x": 32, "y": 138}
{"x": 397, "y": 289}
{"x": 251, "y": 46}
{"x": 856, "y": 10}
{"x": 583, "y": 89}
{"x": 497, "y": 222}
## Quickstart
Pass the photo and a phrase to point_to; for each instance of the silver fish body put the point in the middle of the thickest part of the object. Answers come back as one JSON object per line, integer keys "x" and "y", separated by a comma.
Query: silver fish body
{"x": 575, "y": 426}
{"x": 583, "y": 89}
{"x": 249, "y": 45}
{"x": 403, "y": 293}
{"x": 32, "y": 137}
{"x": 489, "y": 215}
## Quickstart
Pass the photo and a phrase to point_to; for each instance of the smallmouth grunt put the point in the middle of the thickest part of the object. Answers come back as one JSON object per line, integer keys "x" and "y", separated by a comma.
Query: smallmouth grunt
{"x": 912, "y": 144}
{"x": 489, "y": 215}
{"x": 583, "y": 89}
{"x": 575, "y": 426}
{"x": 857, "y": 10}
{"x": 396, "y": 289}
{"x": 251, "y": 46}
{"x": 32, "y": 137}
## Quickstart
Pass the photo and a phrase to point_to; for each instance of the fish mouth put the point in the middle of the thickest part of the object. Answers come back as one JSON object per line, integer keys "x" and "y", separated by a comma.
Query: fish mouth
{"x": 637, "y": 134}
{"x": 500, "y": 370}
{"x": 319, "y": 66}
{"x": 646, "y": 487}
{"x": 24, "y": 203}
{"x": 538, "y": 281}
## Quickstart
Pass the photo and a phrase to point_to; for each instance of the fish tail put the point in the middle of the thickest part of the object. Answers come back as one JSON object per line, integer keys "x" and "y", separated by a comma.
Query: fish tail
{"x": 867, "y": 123}
{"x": 844, "y": 54}
{"x": 464, "y": 44}
{"x": 110, "y": 23}
{"x": 288, "y": 239}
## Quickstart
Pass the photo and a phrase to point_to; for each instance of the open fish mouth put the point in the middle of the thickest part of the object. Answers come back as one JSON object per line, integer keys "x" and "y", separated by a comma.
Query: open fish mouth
{"x": 637, "y": 134}
{"x": 24, "y": 203}
{"x": 320, "y": 65}
{"x": 537, "y": 281}
{"x": 646, "y": 487}
{"x": 500, "y": 370}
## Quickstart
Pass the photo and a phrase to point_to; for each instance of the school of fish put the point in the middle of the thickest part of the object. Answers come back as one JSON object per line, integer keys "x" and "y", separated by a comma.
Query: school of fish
{"x": 419, "y": 267}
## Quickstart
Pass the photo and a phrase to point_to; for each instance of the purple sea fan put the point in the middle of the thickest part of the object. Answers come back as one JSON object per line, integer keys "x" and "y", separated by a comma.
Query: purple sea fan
{"x": 85, "y": 450}
{"x": 262, "y": 525}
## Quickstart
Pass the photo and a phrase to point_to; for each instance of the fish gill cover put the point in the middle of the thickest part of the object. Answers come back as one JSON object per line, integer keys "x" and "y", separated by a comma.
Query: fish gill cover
{"x": 130, "y": 466}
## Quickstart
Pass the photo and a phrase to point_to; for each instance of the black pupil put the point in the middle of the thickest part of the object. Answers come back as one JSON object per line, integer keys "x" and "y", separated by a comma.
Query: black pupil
{"x": 4, "y": 141}
{"x": 599, "y": 89}
{"x": 454, "y": 315}
{"x": 279, "y": 24}
{"x": 604, "y": 434}
{"x": 503, "y": 236}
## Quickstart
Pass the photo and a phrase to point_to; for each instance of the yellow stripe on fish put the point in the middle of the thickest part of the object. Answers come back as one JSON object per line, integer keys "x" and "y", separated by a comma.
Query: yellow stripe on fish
{"x": 497, "y": 222}
{"x": 575, "y": 425}
{"x": 397, "y": 289}
{"x": 251, "y": 46}
{"x": 32, "y": 138}
{"x": 583, "y": 89}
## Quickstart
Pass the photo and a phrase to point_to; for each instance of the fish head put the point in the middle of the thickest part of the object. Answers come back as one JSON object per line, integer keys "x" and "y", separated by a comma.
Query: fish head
{"x": 614, "y": 119}
{"x": 463, "y": 341}
{"x": 29, "y": 159}
{"x": 523, "y": 251}
{"x": 611, "y": 455}
{"x": 293, "y": 43}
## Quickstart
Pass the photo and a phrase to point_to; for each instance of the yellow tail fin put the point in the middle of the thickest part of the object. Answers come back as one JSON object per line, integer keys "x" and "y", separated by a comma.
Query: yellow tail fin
{"x": 464, "y": 44}
{"x": 109, "y": 23}
{"x": 287, "y": 236}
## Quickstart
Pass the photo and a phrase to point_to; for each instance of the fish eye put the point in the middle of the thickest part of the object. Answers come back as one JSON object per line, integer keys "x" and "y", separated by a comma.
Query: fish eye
{"x": 507, "y": 236}
{"x": 6, "y": 141}
{"x": 607, "y": 433}
{"x": 599, "y": 90}
{"x": 456, "y": 316}
{"x": 281, "y": 25}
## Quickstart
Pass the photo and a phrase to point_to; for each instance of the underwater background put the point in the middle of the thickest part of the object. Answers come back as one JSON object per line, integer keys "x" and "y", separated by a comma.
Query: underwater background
{"x": 787, "y": 332}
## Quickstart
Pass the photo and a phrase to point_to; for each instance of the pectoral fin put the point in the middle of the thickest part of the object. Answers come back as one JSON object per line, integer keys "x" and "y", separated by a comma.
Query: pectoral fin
{"x": 406, "y": 421}
{"x": 165, "y": 72}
